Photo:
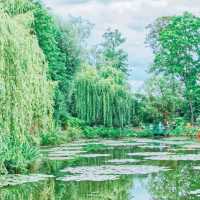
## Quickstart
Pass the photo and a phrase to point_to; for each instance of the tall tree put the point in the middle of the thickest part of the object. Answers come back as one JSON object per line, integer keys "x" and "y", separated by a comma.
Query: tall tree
{"x": 177, "y": 52}
{"x": 109, "y": 52}
{"x": 63, "y": 44}
{"x": 165, "y": 95}
{"x": 25, "y": 93}
{"x": 102, "y": 97}
{"x": 48, "y": 35}
{"x": 73, "y": 44}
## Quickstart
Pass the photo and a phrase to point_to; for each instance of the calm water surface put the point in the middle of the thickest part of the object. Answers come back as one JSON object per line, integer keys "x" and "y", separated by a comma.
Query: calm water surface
{"x": 129, "y": 169}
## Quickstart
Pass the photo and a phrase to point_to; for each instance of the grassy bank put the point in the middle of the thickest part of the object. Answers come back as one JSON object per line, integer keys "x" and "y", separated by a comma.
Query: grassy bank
{"x": 78, "y": 129}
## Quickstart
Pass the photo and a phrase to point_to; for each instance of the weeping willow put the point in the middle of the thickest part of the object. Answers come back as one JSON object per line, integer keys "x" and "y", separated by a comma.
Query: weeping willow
{"x": 102, "y": 97}
{"x": 25, "y": 93}
{"x": 16, "y": 7}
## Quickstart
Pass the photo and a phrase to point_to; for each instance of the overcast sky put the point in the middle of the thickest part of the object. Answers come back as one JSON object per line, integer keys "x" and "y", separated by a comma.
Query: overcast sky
{"x": 130, "y": 17}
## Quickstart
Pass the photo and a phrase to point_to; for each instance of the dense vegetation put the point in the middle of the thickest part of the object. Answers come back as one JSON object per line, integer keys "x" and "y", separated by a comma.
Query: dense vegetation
{"x": 55, "y": 88}
{"x": 175, "y": 41}
{"x": 100, "y": 96}
{"x": 26, "y": 94}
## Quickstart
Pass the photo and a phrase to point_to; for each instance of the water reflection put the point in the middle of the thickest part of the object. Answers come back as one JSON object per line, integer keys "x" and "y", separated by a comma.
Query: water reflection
{"x": 181, "y": 182}
{"x": 115, "y": 190}
{"x": 175, "y": 184}
{"x": 37, "y": 191}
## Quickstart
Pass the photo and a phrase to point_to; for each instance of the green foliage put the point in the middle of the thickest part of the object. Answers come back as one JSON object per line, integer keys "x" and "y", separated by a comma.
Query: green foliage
{"x": 56, "y": 136}
{"x": 19, "y": 155}
{"x": 51, "y": 138}
{"x": 100, "y": 99}
{"x": 43, "y": 190}
{"x": 42, "y": 65}
{"x": 175, "y": 41}
{"x": 146, "y": 132}
{"x": 49, "y": 36}
{"x": 62, "y": 44}
{"x": 26, "y": 95}
{"x": 95, "y": 132}
{"x": 163, "y": 99}
{"x": 180, "y": 127}
{"x": 16, "y": 156}
{"x": 16, "y": 7}
{"x": 73, "y": 133}
{"x": 110, "y": 53}
{"x": 102, "y": 132}
{"x": 144, "y": 111}
{"x": 75, "y": 122}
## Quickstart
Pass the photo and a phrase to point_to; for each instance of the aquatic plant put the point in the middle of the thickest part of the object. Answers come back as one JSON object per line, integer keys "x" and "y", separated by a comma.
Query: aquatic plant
{"x": 90, "y": 171}
{"x": 94, "y": 147}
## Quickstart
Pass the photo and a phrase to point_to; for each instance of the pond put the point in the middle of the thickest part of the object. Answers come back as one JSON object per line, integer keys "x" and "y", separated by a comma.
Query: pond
{"x": 128, "y": 169}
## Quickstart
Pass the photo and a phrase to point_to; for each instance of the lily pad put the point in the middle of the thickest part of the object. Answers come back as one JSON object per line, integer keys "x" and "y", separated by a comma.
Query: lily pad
{"x": 149, "y": 154}
{"x": 60, "y": 158}
{"x": 64, "y": 153}
{"x": 114, "y": 169}
{"x": 122, "y": 161}
{"x": 88, "y": 177}
{"x": 146, "y": 140}
{"x": 192, "y": 146}
{"x": 153, "y": 146}
{"x": 119, "y": 143}
{"x": 176, "y": 139}
{"x": 173, "y": 142}
{"x": 175, "y": 157}
{"x": 11, "y": 180}
{"x": 69, "y": 148}
{"x": 93, "y": 155}
{"x": 82, "y": 144}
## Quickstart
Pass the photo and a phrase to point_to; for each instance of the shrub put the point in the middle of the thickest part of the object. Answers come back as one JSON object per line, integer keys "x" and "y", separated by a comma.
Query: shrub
{"x": 94, "y": 132}
{"x": 58, "y": 136}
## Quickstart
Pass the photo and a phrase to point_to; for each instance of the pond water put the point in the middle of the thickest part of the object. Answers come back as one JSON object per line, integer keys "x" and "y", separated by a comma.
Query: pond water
{"x": 128, "y": 169}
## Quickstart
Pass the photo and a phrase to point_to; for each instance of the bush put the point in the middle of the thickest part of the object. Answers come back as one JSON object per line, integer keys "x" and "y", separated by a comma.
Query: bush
{"x": 94, "y": 132}
{"x": 57, "y": 136}
{"x": 184, "y": 130}
{"x": 17, "y": 156}
{"x": 145, "y": 133}
{"x": 73, "y": 133}
{"x": 75, "y": 122}
{"x": 50, "y": 138}
{"x": 180, "y": 127}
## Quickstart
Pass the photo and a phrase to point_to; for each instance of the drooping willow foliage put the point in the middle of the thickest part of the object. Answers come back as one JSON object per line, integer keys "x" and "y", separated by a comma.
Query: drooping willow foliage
{"x": 102, "y": 97}
{"x": 16, "y": 7}
{"x": 25, "y": 93}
